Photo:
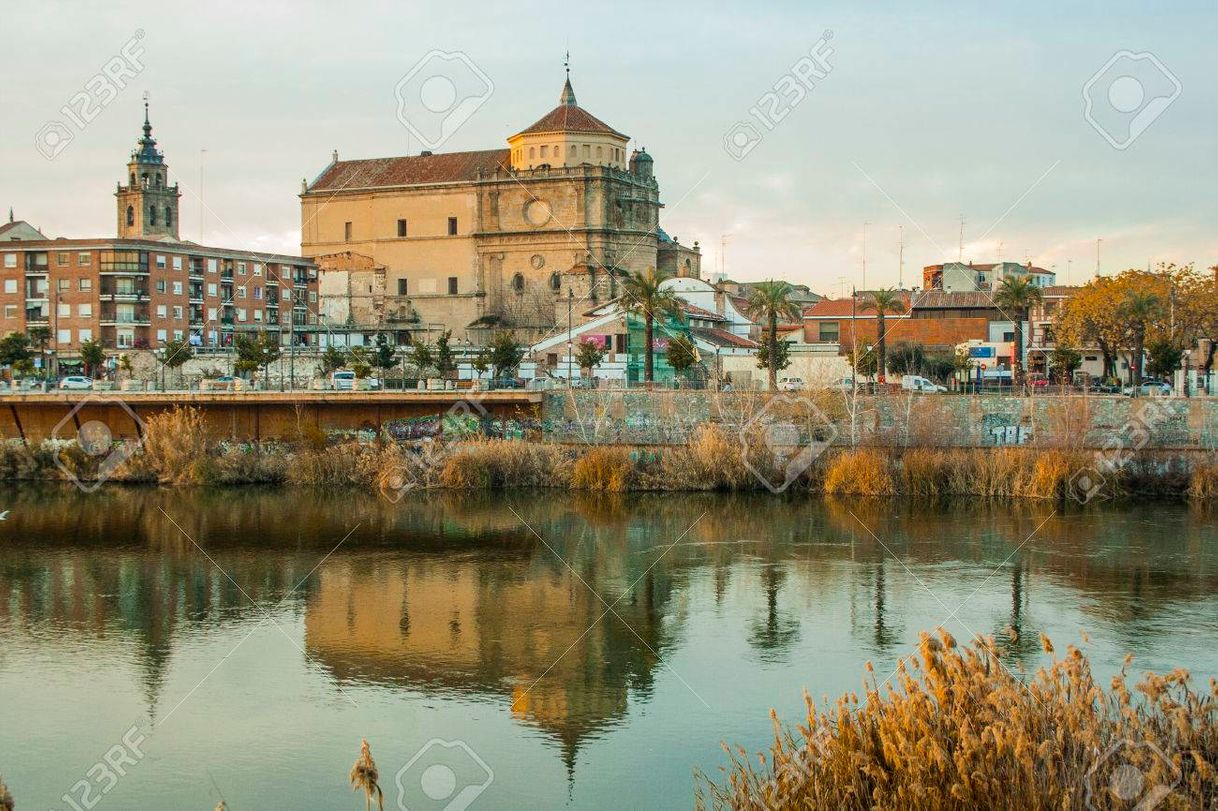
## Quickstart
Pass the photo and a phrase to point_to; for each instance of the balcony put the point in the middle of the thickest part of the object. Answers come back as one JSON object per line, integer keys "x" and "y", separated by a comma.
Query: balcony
{"x": 122, "y": 293}
{"x": 125, "y": 321}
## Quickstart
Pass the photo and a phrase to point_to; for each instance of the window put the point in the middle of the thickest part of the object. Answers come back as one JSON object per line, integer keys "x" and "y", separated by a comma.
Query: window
{"x": 312, "y": 296}
{"x": 160, "y": 285}
{"x": 347, "y": 231}
{"x": 258, "y": 293}
{"x": 177, "y": 334}
{"x": 545, "y": 150}
{"x": 10, "y": 285}
{"x": 452, "y": 226}
{"x": 130, "y": 215}
{"x": 177, "y": 288}
{"x": 257, "y": 268}
{"x": 555, "y": 281}
{"x": 452, "y": 285}
{"x": 84, "y": 310}
{"x": 162, "y": 336}
{"x": 85, "y": 284}
{"x": 401, "y": 228}
{"x": 10, "y": 260}
{"x": 168, "y": 215}
{"x": 241, "y": 314}
{"x": 211, "y": 313}
{"x": 532, "y": 152}
{"x": 84, "y": 259}
{"x": 177, "y": 312}
{"x": 212, "y": 265}
{"x": 160, "y": 261}
{"x": 63, "y": 336}
{"x": 10, "y": 310}
{"x": 64, "y": 310}
{"x": 152, "y": 215}
{"x": 1008, "y": 337}
{"x": 401, "y": 287}
{"x": 287, "y": 295}
{"x": 161, "y": 310}
{"x": 177, "y": 263}
{"x": 257, "y": 315}
{"x": 211, "y": 289}
{"x": 518, "y": 282}
{"x": 85, "y": 335}
{"x": 241, "y": 291}
{"x": 240, "y": 268}
{"x": 830, "y": 331}
{"x": 63, "y": 284}
{"x": 63, "y": 259}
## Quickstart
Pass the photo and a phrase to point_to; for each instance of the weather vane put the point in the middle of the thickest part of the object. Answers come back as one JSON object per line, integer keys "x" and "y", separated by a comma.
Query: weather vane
{"x": 566, "y": 63}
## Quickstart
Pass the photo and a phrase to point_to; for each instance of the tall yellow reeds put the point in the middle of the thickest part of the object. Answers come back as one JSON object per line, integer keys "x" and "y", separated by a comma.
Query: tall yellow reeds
{"x": 960, "y": 731}
{"x": 859, "y": 472}
{"x": 604, "y": 468}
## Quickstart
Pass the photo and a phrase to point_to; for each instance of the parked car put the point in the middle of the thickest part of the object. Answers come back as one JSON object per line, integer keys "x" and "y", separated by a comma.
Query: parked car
{"x": 76, "y": 382}
{"x": 223, "y": 383}
{"x": 507, "y": 383}
{"x": 791, "y": 384}
{"x": 342, "y": 380}
{"x": 919, "y": 383}
{"x": 843, "y": 384}
{"x": 1104, "y": 387}
{"x": 1149, "y": 388}
{"x": 1038, "y": 381}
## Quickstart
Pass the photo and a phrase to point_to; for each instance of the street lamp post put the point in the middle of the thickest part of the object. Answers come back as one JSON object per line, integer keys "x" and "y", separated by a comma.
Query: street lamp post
{"x": 570, "y": 330}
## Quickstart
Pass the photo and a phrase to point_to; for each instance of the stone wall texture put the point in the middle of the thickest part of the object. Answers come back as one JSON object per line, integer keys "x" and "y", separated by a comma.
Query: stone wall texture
{"x": 1067, "y": 421}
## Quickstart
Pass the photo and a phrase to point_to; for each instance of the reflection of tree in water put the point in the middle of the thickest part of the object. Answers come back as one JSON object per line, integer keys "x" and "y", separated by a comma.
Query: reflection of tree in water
{"x": 773, "y": 634}
{"x": 1015, "y": 641}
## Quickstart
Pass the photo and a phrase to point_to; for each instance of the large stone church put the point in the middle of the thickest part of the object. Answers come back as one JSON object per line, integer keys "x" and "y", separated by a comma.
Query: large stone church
{"x": 494, "y": 239}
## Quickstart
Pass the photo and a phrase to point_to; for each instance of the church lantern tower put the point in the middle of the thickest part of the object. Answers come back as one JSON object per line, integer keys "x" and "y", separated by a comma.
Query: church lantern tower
{"x": 147, "y": 204}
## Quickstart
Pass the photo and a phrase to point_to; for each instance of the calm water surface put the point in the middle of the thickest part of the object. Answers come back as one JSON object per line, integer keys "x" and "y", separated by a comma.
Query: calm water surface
{"x": 584, "y": 652}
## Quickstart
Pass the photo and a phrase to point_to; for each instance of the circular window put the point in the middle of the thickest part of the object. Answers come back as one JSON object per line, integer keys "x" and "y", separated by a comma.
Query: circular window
{"x": 537, "y": 212}
{"x": 537, "y": 261}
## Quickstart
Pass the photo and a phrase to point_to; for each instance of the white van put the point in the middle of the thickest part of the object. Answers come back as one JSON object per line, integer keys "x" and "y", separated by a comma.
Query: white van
{"x": 919, "y": 383}
{"x": 342, "y": 380}
{"x": 791, "y": 384}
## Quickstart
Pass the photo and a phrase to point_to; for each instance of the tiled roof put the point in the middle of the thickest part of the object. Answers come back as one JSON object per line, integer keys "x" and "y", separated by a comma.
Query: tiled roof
{"x": 943, "y": 299}
{"x": 446, "y": 167}
{"x": 722, "y": 337}
{"x": 570, "y": 118}
{"x": 698, "y": 312}
{"x": 844, "y": 307}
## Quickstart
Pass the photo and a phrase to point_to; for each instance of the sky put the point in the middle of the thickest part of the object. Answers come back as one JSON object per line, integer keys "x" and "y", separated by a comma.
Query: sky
{"x": 910, "y": 119}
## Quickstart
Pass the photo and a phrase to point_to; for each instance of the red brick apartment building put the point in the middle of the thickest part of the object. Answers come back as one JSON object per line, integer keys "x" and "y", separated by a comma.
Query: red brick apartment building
{"x": 146, "y": 287}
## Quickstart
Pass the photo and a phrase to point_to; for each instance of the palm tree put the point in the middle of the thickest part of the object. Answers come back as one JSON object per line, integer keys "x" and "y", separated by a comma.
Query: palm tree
{"x": 642, "y": 294}
{"x": 1137, "y": 310}
{"x": 366, "y": 778}
{"x": 769, "y": 301}
{"x": 884, "y": 301}
{"x": 1015, "y": 295}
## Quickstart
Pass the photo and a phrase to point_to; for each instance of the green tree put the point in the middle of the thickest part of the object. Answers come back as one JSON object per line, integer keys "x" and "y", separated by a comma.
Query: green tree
{"x": 589, "y": 355}
{"x": 1139, "y": 310}
{"x": 1014, "y": 296}
{"x": 332, "y": 359}
{"x": 505, "y": 353}
{"x": 420, "y": 356}
{"x": 1063, "y": 362}
{"x": 641, "y": 294}
{"x": 883, "y": 302}
{"x": 908, "y": 358}
{"x": 361, "y": 362}
{"x": 446, "y": 362}
{"x": 1163, "y": 358}
{"x": 255, "y": 351}
{"x": 93, "y": 356}
{"x": 781, "y": 354}
{"x": 480, "y": 362}
{"x": 682, "y": 354}
{"x": 173, "y": 354}
{"x": 15, "y": 350}
{"x": 864, "y": 361}
{"x": 767, "y": 303}
{"x": 384, "y": 354}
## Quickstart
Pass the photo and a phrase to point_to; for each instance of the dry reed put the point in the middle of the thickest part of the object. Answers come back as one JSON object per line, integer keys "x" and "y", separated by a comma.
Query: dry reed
{"x": 604, "y": 468}
{"x": 960, "y": 731}
{"x": 859, "y": 472}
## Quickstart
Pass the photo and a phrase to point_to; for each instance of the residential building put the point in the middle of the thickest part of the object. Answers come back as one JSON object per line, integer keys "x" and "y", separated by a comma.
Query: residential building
{"x": 146, "y": 287}
{"x": 494, "y": 239}
{"x": 962, "y": 276}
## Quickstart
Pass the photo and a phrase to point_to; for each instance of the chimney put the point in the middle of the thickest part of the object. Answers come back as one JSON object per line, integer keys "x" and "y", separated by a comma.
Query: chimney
{"x": 426, "y": 153}
{"x": 334, "y": 157}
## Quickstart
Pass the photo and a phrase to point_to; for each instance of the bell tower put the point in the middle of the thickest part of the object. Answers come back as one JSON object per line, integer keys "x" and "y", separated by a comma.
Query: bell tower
{"x": 147, "y": 204}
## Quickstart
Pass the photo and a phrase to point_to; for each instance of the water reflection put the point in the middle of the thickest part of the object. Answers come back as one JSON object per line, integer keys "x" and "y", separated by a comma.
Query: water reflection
{"x": 455, "y": 595}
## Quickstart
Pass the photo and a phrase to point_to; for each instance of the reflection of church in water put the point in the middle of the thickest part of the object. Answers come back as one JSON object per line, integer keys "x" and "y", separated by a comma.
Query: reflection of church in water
{"x": 517, "y": 630}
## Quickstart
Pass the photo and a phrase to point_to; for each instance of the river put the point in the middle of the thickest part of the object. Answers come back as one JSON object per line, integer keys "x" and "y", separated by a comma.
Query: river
{"x": 169, "y": 648}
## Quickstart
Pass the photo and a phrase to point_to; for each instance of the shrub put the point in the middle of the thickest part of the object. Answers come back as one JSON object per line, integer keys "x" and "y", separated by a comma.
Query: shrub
{"x": 175, "y": 449}
{"x": 603, "y": 468}
{"x": 860, "y": 472}
{"x": 961, "y": 731}
{"x": 1203, "y": 483}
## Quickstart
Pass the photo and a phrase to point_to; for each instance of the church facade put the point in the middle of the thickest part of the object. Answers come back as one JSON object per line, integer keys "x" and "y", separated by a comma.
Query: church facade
{"x": 481, "y": 241}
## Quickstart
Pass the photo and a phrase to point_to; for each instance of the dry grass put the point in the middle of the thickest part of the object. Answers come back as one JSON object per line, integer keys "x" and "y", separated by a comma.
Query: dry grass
{"x": 1203, "y": 482}
{"x": 498, "y": 463}
{"x": 175, "y": 451}
{"x": 959, "y": 731}
{"x": 860, "y": 472}
{"x": 604, "y": 468}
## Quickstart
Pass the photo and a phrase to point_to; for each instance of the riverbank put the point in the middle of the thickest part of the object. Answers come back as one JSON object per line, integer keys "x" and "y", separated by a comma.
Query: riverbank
{"x": 177, "y": 449}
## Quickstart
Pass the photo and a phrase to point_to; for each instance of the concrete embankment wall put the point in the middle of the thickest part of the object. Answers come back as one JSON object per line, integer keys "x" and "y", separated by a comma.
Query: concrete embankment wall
{"x": 1104, "y": 421}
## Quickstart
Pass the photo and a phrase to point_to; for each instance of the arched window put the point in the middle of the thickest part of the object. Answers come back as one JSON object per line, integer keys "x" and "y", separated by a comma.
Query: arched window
{"x": 532, "y": 152}
{"x": 130, "y": 215}
{"x": 168, "y": 215}
{"x": 598, "y": 152}
{"x": 573, "y": 148}
{"x": 133, "y": 178}
{"x": 555, "y": 282}
{"x": 587, "y": 151}
{"x": 518, "y": 282}
{"x": 158, "y": 180}
{"x": 545, "y": 150}
{"x": 152, "y": 215}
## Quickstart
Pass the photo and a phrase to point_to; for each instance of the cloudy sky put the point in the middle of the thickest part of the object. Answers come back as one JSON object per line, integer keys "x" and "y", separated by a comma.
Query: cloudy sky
{"x": 925, "y": 116}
